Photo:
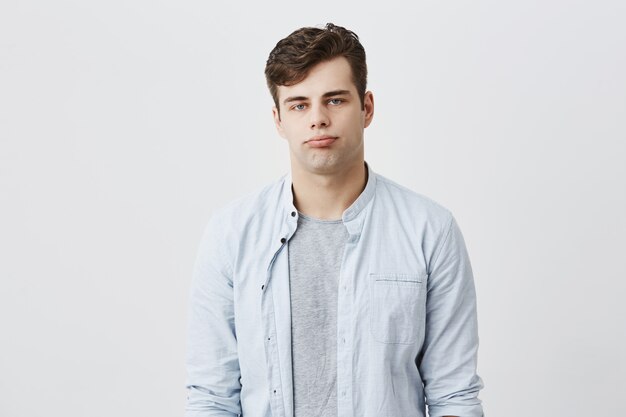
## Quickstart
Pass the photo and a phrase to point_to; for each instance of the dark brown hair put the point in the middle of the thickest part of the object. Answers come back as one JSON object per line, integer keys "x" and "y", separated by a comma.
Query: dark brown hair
{"x": 292, "y": 58}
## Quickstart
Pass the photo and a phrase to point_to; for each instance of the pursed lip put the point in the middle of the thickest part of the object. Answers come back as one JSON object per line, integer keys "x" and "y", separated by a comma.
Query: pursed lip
{"x": 321, "y": 137}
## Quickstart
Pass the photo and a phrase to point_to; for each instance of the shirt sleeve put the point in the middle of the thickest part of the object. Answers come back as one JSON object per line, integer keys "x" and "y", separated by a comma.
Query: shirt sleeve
{"x": 448, "y": 359}
{"x": 213, "y": 376}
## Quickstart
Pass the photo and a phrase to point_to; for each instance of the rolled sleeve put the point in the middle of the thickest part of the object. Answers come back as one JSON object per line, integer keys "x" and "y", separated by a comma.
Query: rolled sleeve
{"x": 213, "y": 375}
{"x": 448, "y": 359}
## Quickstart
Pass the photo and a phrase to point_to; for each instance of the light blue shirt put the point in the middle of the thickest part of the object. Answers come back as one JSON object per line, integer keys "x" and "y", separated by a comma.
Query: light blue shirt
{"x": 407, "y": 331}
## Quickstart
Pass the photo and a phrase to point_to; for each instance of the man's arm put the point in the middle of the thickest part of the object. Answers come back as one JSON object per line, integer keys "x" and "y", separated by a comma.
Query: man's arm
{"x": 212, "y": 363}
{"x": 448, "y": 359}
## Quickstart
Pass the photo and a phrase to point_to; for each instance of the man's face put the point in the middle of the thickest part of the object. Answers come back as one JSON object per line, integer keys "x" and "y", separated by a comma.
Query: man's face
{"x": 324, "y": 104}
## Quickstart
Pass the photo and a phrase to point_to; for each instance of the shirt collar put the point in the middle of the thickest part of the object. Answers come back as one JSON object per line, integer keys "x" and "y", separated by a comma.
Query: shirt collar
{"x": 350, "y": 214}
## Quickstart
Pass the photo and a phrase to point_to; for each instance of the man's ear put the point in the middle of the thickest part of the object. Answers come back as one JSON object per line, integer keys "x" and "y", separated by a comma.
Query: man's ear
{"x": 368, "y": 104}
{"x": 278, "y": 122}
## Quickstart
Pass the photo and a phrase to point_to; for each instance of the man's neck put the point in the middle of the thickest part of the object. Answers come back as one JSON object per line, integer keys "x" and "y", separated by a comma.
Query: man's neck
{"x": 325, "y": 196}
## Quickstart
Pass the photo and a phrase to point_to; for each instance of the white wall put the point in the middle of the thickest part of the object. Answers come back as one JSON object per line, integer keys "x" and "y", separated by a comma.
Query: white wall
{"x": 123, "y": 124}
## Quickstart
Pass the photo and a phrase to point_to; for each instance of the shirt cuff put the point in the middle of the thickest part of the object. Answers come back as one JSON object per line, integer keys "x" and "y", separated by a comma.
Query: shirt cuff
{"x": 456, "y": 410}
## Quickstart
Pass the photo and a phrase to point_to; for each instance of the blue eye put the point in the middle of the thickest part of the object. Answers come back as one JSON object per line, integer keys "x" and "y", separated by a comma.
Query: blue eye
{"x": 336, "y": 99}
{"x": 297, "y": 107}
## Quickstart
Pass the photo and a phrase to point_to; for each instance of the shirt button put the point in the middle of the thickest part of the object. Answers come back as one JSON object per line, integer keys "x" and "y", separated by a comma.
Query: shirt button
{"x": 343, "y": 339}
{"x": 343, "y": 393}
{"x": 283, "y": 240}
{"x": 293, "y": 214}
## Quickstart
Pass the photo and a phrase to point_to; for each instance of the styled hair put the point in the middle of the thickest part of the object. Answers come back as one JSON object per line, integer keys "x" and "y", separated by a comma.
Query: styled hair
{"x": 293, "y": 57}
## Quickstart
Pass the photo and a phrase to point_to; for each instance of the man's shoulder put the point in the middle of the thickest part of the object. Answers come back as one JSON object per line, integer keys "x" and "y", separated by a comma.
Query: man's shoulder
{"x": 405, "y": 198}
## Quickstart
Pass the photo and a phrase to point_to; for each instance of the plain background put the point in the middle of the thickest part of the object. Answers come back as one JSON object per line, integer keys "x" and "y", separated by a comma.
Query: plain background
{"x": 124, "y": 124}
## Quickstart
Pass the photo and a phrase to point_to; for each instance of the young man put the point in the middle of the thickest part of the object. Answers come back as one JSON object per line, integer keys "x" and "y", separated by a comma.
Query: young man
{"x": 333, "y": 291}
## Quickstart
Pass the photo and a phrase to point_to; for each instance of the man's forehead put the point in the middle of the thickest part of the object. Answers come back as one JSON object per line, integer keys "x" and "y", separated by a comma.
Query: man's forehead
{"x": 332, "y": 75}
{"x": 320, "y": 91}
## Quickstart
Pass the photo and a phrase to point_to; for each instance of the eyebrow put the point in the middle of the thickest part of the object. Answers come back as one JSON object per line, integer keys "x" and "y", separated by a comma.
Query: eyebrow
{"x": 328, "y": 94}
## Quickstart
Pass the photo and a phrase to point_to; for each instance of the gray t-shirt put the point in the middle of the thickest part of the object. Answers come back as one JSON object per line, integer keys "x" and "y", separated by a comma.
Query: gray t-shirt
{"x": 315, "y": 256}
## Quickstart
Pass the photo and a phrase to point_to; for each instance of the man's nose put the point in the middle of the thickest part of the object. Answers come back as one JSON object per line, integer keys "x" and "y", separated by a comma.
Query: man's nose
{"x": 319, "y": 117}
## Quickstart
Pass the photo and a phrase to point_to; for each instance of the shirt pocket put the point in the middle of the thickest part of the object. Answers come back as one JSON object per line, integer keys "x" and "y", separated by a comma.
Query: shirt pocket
{"x": 396, "y": 306}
